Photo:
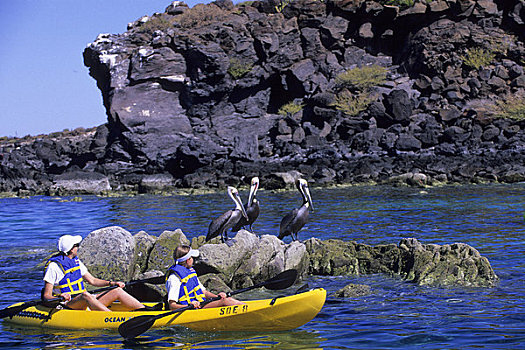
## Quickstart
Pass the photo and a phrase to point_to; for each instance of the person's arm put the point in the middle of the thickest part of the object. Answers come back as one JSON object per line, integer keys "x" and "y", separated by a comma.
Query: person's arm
{"x": 52, "y": 275}
{"x": 173, "y": 305}
{"x": 210, "y": 295}
{"x": 173, "y": 286}
{"x": 98, "y": 282}
{"x": 48, "y": 293}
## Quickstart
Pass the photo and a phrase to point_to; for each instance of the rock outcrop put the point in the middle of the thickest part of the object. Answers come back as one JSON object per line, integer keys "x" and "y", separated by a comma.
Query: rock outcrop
{"x": 251, "y": 259}
{"x": 110, "y": 251}
{"x": 456, "y": 264}
{"x": 218, "y": 93}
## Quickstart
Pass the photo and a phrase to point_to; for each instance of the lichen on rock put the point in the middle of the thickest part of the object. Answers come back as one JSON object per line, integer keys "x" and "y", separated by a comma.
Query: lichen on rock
{"x": 109, "y": 253}
{"x": 252, "y": 259}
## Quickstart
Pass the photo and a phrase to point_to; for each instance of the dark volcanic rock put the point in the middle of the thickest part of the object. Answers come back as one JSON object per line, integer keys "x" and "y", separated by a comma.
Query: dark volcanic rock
{"x": 198, "y": 95}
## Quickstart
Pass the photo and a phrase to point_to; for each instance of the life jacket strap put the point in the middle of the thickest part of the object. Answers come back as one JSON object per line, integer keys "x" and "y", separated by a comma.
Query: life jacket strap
{"x": 187, "y": 278}
{"x": 73, "y": 269}
{"x": 71, "y": 286}
{"x": 192, "y": 294}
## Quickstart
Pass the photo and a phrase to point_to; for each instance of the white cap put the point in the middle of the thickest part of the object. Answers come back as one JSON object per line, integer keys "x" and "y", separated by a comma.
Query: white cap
{"x": 192, "y": 253}
{"x": 66, "y": 242}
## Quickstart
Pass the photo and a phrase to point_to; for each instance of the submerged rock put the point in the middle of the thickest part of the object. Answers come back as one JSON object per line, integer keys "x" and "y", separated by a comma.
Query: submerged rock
{"x": 352, "y": 291}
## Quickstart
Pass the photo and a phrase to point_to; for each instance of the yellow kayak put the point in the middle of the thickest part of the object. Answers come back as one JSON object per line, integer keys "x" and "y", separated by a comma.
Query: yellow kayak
{"x": 282, "y": 313}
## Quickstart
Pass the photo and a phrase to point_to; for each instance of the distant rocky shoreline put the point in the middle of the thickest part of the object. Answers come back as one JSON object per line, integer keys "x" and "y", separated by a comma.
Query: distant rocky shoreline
{"x": 113, "y": 253}
{"x": 213, "y": 95}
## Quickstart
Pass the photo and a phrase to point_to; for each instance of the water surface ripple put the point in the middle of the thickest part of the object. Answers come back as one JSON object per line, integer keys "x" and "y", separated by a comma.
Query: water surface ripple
{"x": 395, "y": 315}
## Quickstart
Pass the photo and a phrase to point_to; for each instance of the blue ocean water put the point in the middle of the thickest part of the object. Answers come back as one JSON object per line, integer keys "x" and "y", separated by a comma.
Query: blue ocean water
{"x": 395, "y": 315}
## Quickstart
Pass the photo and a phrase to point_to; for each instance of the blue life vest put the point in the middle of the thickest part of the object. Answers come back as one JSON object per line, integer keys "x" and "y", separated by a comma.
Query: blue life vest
{"x": 190, "y": 287}
{"x": 72, "y": 281}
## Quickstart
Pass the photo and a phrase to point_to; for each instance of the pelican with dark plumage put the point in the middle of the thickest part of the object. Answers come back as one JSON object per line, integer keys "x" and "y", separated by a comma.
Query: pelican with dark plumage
{"x": 226, "y": 221}
{"x": 294, "y": 221}
{"x": 252, "y": 208}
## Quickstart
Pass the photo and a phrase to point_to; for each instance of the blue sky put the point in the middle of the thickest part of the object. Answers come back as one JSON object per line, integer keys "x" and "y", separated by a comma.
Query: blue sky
{"x": 44, "y": 85}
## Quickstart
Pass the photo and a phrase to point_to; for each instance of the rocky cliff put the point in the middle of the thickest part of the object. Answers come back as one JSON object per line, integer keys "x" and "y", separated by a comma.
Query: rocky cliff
{"x": 339, "y": 90}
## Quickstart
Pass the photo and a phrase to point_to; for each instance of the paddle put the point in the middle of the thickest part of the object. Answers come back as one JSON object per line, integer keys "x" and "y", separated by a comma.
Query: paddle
{"x": 138, "y": 325}
{"x": 13, "y": 310}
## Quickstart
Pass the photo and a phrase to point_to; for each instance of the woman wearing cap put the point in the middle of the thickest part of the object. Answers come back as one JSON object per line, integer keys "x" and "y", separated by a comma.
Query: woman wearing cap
{"x": 65, "y": 275}
{"x": 184, "y": 287}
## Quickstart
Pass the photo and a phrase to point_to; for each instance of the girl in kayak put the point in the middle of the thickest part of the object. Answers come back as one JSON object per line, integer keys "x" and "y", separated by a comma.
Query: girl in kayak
{"x": 184, "y": 287}
{"x": 65, "y": 275}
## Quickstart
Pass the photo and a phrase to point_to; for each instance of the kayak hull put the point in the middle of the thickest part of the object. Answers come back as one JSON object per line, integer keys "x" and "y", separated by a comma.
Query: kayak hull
{"x": 282, "y": 313}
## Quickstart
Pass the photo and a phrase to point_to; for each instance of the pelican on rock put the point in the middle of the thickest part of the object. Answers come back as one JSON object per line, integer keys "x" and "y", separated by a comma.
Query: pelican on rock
{"x": 252, "y": 208}
{"x": 294, "y": 221}
{"x": 226, "y": 221}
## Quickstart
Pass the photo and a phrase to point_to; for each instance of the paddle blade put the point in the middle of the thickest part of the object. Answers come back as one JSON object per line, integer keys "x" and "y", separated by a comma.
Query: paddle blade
{"x": 282, "y": 281}
{"x": 13, "y": 310}
{"x": 135, "y": 326}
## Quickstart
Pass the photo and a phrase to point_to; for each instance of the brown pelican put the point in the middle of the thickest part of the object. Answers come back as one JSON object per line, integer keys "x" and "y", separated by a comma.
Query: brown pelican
{"x": 297, "y": 218}
{"x": 252, "y": 208}
{"x": 223, "y": 223}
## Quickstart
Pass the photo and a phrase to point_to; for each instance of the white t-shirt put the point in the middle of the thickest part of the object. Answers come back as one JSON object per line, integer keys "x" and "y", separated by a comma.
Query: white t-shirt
{"x": 54, "y": 274}
{"x": 173, "y": 286}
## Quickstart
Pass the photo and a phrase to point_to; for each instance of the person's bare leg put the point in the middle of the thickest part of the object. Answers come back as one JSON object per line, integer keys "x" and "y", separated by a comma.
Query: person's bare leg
{"x": 119, "y": 294}
{"x": 84, "y": 300}
{"x": 223, "y": 302}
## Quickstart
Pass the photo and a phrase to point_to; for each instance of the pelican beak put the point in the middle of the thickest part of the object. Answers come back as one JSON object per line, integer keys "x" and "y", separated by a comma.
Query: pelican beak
{"x": 242, "y": 208}
{"x": 238, "y": 203}
{"x": 307, "y": 196}
{"x": 253, "y": 190}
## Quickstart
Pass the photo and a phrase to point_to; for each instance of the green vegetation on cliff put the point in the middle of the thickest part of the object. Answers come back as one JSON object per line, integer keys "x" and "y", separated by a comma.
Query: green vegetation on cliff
{"x": 478, "y": 57}
{"x": 354, "y": 88}
{"x": 238, "y": 68}
{"x": 512, "y": 107}
{"x": 362, "y": 78}
{"x": 290, "y": 108}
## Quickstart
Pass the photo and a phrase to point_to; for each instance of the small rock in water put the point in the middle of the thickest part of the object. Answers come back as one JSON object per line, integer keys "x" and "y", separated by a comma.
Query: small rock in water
{"x": 352, "y": 291}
